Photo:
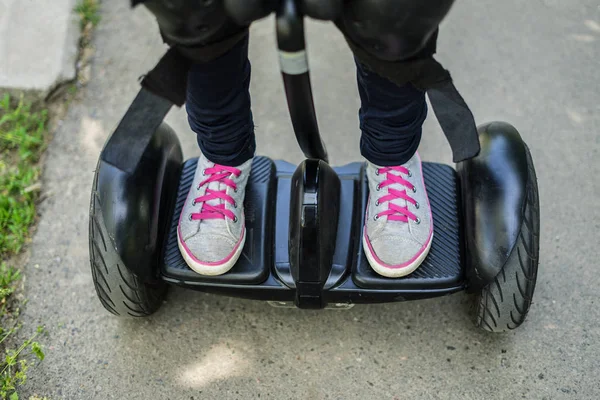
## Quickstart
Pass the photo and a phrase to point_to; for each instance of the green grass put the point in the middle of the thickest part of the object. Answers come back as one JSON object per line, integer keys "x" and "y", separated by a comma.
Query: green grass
{"x": 22, "y": 142}
{"x": 88, "y": 12}
{"x": 14, "y": 366}
{"x": 8, "y": 279}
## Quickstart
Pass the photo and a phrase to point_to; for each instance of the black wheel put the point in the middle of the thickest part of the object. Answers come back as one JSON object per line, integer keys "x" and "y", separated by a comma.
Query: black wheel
{"x": 504, "y": 303}
{"x": 120, "y": 291}
{"x": 136, "y": 176}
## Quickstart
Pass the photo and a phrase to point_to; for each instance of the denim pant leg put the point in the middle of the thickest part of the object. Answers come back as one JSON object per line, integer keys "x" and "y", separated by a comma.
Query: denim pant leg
{"x": 391, "y": 118}
{"x": 218, "y": 107}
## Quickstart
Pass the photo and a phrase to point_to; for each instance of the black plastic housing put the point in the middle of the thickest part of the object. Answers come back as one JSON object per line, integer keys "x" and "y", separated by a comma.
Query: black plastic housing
{"x": 494, "y": 190}
{"x": 314, "y": 207}
{"x": 265, "y": 272}
{"x": 137, "y": 173}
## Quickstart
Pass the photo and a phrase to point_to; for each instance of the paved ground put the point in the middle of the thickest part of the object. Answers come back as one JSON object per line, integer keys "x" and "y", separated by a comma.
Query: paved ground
{"x": 532, "y": 63}
{"x": 38, "y": 44}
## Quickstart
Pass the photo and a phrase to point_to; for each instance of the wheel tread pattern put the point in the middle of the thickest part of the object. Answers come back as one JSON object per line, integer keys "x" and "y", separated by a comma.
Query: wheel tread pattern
{"x": 512, "y": 297}
{"x": 132, "y": 296}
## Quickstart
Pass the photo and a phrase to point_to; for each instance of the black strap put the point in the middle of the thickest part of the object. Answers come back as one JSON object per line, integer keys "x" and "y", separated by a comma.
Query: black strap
{"x": 128, "y": 142}
{"x": 456, "y": 120}
{"x": 162, "y": 87}
{"x": 169, "y": 78}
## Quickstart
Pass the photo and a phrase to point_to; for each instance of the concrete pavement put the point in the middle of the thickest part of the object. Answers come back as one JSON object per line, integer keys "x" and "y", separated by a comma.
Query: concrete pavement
{"x": 534, "y": 64}
{"x": 38, "y": 45}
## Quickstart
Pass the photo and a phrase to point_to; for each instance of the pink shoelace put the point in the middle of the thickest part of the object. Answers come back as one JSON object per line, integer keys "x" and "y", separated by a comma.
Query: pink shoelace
{"x": 395, "y": 212}
{"x": 218, "y": 173}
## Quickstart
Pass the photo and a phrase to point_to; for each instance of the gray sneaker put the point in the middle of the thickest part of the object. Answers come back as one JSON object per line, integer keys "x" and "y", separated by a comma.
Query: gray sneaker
{"x": 211, "y": 232}
{"x": 398, "y": 224}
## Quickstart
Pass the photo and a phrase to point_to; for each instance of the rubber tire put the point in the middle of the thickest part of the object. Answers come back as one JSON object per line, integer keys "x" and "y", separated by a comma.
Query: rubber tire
{"x": 503, "y": 304}
{"x": 120, "y": 291}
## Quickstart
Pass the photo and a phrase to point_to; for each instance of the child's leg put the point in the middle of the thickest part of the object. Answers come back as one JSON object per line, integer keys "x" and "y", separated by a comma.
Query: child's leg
{"x": 211, "y": 231}
{"x": 398, "y": 226}
{"x": 391, "y": 118}
{"x": 218, "y": 107}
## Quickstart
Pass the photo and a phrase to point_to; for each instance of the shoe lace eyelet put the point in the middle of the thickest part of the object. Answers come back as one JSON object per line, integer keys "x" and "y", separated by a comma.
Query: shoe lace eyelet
{"x": 194, "y": 202}
{"x": 417, "y": 205}
{"x": 377, "y": 203}
{"x": 376, "y": 217}
{"x": 414, "y": 189}
{"x": 235, "y": 204}
{"x": 377, "y": 172}
{"x": 235, "y": 219}
{"x": 204, "y": 172}
{"x": 378, "y": 188}
{"x": 418, "y": 221}
{"x": 409, "y": 174}
{"x": 190, "y": 217}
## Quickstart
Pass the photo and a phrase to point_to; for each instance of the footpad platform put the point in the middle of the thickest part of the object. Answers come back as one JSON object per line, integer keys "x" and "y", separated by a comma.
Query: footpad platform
{"x": 441, "y": 269}
{"x": 253, "y": 265}
{"x": 267, "y": 223}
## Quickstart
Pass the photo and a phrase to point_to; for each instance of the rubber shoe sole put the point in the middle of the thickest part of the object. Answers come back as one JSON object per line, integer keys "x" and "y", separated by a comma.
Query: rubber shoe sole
{"x": 214, "y": 268}
{"x": 394, "y": 271}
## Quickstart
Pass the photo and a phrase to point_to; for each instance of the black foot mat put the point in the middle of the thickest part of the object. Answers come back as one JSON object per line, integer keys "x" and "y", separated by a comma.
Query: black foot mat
{"x": 253, "y": 266}
{"x": 442, "y": 267}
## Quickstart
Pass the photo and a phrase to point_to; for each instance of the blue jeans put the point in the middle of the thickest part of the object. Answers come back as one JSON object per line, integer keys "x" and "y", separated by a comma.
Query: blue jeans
{"x": 218, "y": 107}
